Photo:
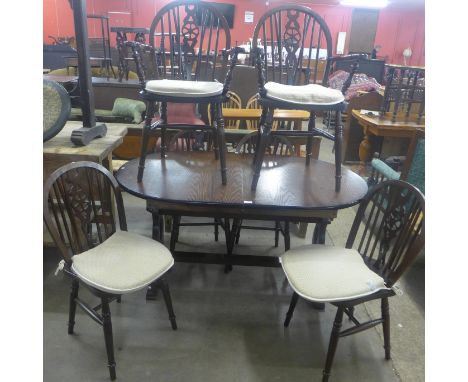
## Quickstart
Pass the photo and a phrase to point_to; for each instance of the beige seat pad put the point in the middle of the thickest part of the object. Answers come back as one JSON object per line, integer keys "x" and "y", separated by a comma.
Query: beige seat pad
{"x": 179, "y": 88}
{"x": 326, "y": 273}
{"x": 311, "y": 94}
{"x": 124, "y": 263}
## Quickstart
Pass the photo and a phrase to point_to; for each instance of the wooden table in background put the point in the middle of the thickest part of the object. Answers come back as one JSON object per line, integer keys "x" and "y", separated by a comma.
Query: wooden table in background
{"x": 384, "y": 127}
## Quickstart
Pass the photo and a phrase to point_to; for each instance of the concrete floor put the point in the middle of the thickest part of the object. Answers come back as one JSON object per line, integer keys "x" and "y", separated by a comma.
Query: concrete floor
{"x": 230, "y": 326}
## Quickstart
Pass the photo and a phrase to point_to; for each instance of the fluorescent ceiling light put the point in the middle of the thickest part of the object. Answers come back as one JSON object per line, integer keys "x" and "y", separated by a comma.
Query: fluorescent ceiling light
{"x": 365, "y": 3}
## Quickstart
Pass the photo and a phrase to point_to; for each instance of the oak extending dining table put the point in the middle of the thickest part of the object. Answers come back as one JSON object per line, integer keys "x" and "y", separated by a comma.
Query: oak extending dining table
{"x": 189, "y": 184}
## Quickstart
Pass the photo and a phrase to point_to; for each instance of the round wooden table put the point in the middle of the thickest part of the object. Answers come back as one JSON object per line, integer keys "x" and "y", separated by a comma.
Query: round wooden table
{"x": 189, "y": 184}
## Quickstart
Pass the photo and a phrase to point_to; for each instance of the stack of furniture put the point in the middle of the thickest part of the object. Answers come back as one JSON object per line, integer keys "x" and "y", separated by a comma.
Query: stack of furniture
{"x": 189, "y": 46}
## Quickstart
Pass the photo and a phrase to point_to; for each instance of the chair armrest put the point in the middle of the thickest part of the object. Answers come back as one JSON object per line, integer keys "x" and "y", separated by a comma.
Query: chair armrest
{"x": 384, "y": 169}
{"x": 138, "y": 49}
{"x": 234, "y": 52}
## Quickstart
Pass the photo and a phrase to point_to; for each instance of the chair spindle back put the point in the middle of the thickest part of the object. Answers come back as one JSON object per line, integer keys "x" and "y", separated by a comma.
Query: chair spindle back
{"x": 295, "y": 42}
{"x": 79, "y": 207}
{"x": 388, "y": 230}
{"x": 192, "y": 39}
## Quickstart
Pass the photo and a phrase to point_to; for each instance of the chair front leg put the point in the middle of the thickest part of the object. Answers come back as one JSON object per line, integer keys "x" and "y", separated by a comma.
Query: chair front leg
{"x": 107, "y": 327}
{"x": 167, "y": 299}
{"x": 290, "y": 312}
{"x": 261, "y": 147}
{"x": 335, "y": 335}
{"x": 338, "y": 149}
{"x": 72, "y": 309}
{"x": 262, "y": 122}
{"x": 221, "y": 142}
{"x": 386, "y": 326}
{"x": 145, "y": 139}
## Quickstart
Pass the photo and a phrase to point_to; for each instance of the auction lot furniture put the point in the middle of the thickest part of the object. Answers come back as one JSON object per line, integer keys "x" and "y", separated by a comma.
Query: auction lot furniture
{"x": 109, "y": 261}
{"x": 186, "y": 57}
{"x": 189, "y": 184}
{"x": 386, "y": 237}
{"x": 293, "y": 38}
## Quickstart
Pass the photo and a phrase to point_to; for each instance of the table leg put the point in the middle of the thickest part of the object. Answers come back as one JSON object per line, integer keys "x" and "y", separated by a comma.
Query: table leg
{"x": 319, "y": 232}
{"x": 364, "y": 148}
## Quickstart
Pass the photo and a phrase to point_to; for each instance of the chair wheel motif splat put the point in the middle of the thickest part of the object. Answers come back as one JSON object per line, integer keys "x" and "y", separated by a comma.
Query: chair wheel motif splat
{"x": 292, "y": 73}
{"x": 386, "y": 237}
{"x": 189, "y": 44}
{"x": 110, "y": 261}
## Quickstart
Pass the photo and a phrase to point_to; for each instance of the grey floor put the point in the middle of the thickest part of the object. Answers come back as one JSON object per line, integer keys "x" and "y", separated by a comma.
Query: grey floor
{"x": 230, "y": 326}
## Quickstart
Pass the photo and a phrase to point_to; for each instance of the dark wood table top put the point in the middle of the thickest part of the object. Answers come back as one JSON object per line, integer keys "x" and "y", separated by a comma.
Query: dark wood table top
{"x": 193, "y": 178}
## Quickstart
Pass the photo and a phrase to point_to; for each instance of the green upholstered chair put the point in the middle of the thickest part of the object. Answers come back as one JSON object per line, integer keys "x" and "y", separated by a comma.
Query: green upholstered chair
{"x": 413, "y": 170}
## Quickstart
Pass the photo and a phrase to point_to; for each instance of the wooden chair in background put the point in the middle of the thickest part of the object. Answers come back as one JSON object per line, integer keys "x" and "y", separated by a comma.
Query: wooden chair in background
{"x": 252, "y": 103}
{"x": 234, "y": 102}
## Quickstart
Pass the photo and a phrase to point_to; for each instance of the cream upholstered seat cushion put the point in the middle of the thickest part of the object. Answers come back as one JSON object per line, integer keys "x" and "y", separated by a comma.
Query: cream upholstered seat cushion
{"x": 124, "y": 263}
{"x": 311, "y": 94}
{"x": 179, "y": 88}
{"x": 326, "y": 273}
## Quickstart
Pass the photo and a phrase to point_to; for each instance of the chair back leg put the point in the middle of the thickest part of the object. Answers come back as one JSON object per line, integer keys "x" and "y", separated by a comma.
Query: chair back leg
{"x": 167, "y": 299}
{"x": 72, "y": 310}
{"x": 292, "y": 306}
{"x": 163, "y": 129}
{"x": 145, "y": 139}
{"x": 261, "y": 147}
{"x": 338, "y": 149}
{"x": 310, "y": 128}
